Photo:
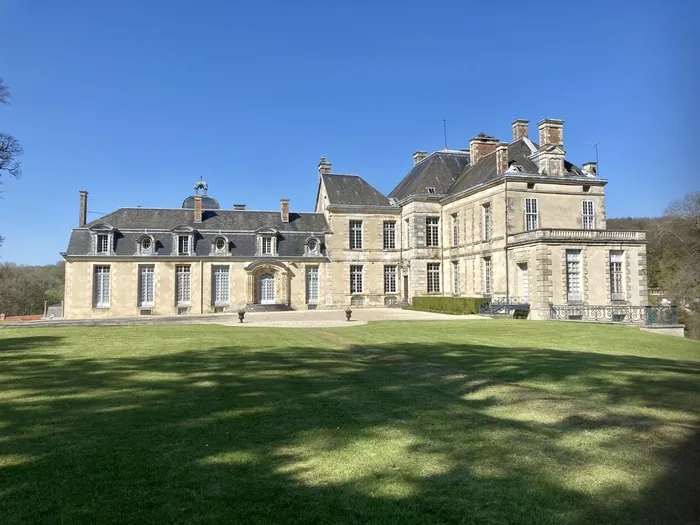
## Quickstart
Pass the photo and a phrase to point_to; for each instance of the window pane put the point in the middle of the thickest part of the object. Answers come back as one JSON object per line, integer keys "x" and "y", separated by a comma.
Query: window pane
{"x": 390, "y": 279}
{"x": 432, "y": 231}
{"x": 455, "y": 230}
{"x": 588, "y": 217}
{"x": 221, "y": 285}
{"x": 455, "y": 277}
{"x": 433, "y": 277}
{"x": 531, "y": 214}
{"x": 182, "y": 284}
{"x": 488, "y": 277}
{"x": 312, "y": 284}
{"x": 103, "y": 243}
{"x": 101, "y": 286}
{"x": 183, "y": 244}
{"x": 573, "y": 275}
{"x": 389, "y": 235}
{"x": 486, "y": 211}
{"x": 355, "y": 235}
{"x": 146, "y": 285}
{"x": 356, "y": 279}
{"x": 616, "y": 276}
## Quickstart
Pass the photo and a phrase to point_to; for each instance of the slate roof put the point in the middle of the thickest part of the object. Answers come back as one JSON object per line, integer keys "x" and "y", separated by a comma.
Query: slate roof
{"x": 352, "y": 190}
{"x": 290, "y": 240}
{"x": 439, "y": 170}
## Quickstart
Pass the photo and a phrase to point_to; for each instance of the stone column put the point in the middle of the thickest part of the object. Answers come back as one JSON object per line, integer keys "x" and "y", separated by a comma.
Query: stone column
{"x": 543, "y": 293}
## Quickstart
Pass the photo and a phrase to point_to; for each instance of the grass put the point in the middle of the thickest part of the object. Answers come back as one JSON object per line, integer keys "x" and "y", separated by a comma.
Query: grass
{"x": 403, "y": 422}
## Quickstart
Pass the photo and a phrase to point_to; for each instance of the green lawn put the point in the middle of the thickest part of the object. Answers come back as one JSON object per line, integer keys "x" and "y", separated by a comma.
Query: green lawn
{"x": 405, "y": 422}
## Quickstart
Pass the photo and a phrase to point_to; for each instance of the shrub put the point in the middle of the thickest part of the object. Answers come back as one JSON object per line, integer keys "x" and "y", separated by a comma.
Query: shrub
{"x": 448, "y": 305}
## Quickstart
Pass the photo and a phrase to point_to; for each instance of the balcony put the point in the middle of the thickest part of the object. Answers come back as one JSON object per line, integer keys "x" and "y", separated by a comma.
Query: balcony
{"x": 586, "y": 236}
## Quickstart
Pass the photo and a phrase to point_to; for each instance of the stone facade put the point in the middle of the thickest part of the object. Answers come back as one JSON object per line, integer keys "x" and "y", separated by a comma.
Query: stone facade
{"x": 520, "y": 222}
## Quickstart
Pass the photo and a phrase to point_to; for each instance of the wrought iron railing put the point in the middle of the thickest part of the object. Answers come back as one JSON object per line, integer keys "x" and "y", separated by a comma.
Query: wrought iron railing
{"x": 648, "y": 315}
{"x": 504, "y": 305}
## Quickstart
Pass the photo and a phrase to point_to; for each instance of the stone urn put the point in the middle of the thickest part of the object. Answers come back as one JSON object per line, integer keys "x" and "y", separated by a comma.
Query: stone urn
{"x": 241, "y": 315}
{"x": 348, "y": 314}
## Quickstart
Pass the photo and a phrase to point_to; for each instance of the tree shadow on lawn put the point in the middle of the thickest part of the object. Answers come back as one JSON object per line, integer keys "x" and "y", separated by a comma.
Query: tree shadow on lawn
{"x": 395, "y": 434}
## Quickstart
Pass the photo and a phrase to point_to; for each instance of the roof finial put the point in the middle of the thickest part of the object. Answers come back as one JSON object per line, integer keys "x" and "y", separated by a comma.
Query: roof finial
{"x": 200, "y": 185}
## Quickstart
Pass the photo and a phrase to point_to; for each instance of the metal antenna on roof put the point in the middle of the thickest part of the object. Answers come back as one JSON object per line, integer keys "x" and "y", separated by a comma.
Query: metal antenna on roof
{"x": 597, "y": 162}
{"x": 444, "y": 129}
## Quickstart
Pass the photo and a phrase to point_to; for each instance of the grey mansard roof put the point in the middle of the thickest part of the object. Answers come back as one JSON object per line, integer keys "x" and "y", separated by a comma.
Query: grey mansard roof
{"x": 239, "y": 226}
{"x": 352, "y": 190}
{"x": 439, "y": 170}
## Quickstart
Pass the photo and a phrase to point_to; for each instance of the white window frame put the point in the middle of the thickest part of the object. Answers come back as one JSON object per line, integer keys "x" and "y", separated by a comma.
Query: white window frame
{"x": 221, "y": 285}
{"x": 455, "y": 230}
{"x": 183, "y": 285}
{"x": 390, "y": 279}
{"x": 488, "y": 276}
{"x": 180, "y": 245}
{"x": 103, "y": 243}
{"x": 617, "y": 275}
{"x": 266, "y": 245}
{"x": 224, "y": 250}
{"x": 486, "y": 222}
{"x": 433, "y": 277}
{"x": 356, "y": 279}
{"x": 102, "y": 286}
{"x": 312, "y": 284}
{"x": 389, "y": 235}
{"x": 574, "y": 291}
{"x": 355, "y": 236}
{"x": 455, "y": 278}
{"x": 147, "y": 285}
{"x": 432, "y": 232}
{"x": 407, "y": 223}
{"x": 532, "y": 214}
{"x": 151, "y": 250}
{"x": 588, "y": 215}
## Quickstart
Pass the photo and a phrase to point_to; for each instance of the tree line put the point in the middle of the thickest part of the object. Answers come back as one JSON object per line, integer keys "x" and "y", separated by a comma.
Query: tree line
{"x": 23, "y": 289}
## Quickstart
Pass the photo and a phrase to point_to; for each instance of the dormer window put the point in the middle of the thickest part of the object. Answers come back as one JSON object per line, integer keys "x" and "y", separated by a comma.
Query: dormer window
{"x": 146, "y": 245}
{"x": 183, "y": 240}
{"x": 183, "y": 244}
{"x": 102, "y": 239}
{"x": 266, "y": 246}
{"x": 102, "y": 244}
{"x": 313, "y": 246}
{"x": 267, "y": 242}
{"x": 220, "y": 246}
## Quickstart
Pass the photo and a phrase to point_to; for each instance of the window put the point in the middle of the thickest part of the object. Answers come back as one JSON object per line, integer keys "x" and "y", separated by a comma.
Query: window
{"x": 408, "y": 233}
{"x": 355, "y": 235}
{"x": 312, "y": 246}
{"x": 356, "y": 279}
{"x": 432, "y": 232}
{"x": 101, "y": 286}
{"x": 146, "y": 244}
{"x": 455, "y": 277}
{"x": 616, "y": 283}
{"x": 573, "y": 275}
{"x": 182, "y": 285}
{"x": 220, "y": 244}
{"x": 103, "y": 243}
{"x": 312, "y": 284}
{"x": 531, "y": 215}
{"x": 266, "y": 245}
{"x": 221, "y": 285}
{"x": 455, "y": 230}
{"x": 486, "y": 222}
{"x": 146, "y": 285}
{"x": 389, "y": 235}
{"x": 587, "y": 215}
{"x": 433, "y": 277}
{"x": 183, "y": 244}
{"x": 390, "y": 279}
{"x": 430, "y": 189}
{"x": 488, "y": 277}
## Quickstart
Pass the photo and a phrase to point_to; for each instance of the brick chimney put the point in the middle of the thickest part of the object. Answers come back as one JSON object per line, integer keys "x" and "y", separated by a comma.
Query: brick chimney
{"x": 239, "y": 207}
{"x": 82, "y": 214}
{"x": 551, "y": 132}
{"x": 197, "y": 208}
{"x": 324, "y": 167}
{"x": 520, "y": 129}
{"x": 501, "y": 158}
{"x": 480, "y": 146}
{"x": 419, "y": 156}
{"x": 284, "y": 210}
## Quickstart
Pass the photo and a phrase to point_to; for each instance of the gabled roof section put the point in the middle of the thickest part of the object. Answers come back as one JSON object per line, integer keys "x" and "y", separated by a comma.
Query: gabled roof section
{"x": 518, "y": 151}
{"x": 352, "y": 190}
{"x": 439, "y": 170}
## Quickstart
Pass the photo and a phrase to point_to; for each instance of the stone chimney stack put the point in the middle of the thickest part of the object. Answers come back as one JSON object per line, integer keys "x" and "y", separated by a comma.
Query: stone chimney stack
{"x": 480, "y": 146}
{"x": 419, "y": 156}
{"x": 324, "y": 167}
{"x": 82, "y": 214}
{"x": 551, "y": 132}
{"x": 197, "y": 208}
{"x": 520, "y": 129}
{"x": 501, "y": 158}
{"x": 284, "y": 210}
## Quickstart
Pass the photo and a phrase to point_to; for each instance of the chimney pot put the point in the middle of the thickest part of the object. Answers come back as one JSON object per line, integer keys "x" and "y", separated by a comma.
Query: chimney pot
{"x": 239, "y": 207}
{"x": 419, "y": 156}
{"x": 197, "y": 208}
{"x": 324, "y": 167}
{"x": 480, "y": 146}
{"x": 284, "y": 210}
{"x": 501, "y": 158}
{"x": 520, "y": 129}
{"x": 82, "y": 214}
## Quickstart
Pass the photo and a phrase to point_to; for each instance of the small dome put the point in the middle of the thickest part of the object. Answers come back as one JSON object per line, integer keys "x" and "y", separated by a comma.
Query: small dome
{"x": 208, "y": 203}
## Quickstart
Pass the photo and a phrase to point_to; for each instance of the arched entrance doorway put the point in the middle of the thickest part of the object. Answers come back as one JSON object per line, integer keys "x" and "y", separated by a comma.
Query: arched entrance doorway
{"x": 266, "y": 289}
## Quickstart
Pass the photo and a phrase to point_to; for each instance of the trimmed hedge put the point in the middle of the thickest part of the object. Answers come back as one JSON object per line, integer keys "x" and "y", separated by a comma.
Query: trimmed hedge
{"x": 448, "y": 305}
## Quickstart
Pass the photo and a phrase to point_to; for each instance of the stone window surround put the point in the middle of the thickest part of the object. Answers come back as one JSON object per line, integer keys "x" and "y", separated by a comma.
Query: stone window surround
{"x": 139, "y": 245}
{"x": 266, "y": 233}
{"x": 183, "y": 231}
{"x": 102, "y": 229}
{"x": 316, "y": 251}
{"x": 226, "y": 250}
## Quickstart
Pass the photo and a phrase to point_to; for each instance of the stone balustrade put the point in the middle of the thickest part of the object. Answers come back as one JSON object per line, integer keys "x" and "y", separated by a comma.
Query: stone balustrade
{"x": 577, "y": 235}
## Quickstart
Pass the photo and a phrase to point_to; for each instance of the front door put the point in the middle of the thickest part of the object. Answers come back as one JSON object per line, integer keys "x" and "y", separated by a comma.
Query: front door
{"x": 266, "y": 289}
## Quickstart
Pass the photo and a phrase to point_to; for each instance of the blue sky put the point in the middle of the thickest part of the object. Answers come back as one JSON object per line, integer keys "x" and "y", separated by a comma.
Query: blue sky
{"x": 134, "y": 101}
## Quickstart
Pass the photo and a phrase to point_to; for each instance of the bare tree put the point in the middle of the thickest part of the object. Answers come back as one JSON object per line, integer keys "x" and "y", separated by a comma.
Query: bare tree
{"x": 10, "y": 149}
